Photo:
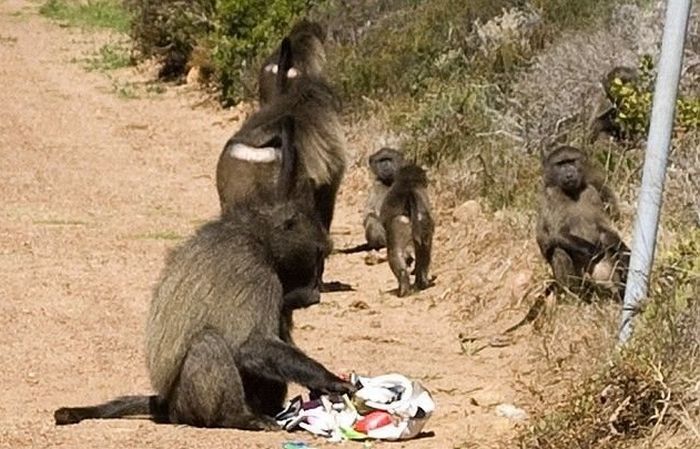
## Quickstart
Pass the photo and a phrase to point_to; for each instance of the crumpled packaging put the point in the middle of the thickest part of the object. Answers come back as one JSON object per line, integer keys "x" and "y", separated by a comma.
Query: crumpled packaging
{"x": 408, "y": 404}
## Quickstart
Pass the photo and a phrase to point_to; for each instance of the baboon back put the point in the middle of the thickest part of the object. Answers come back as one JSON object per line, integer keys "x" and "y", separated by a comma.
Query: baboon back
{"x": 196, "y": 292}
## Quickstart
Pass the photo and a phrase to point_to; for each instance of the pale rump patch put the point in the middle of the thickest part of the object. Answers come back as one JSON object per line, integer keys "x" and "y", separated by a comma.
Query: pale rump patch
{"x": 252, "y": 154}
{"x": 403, "y": 219}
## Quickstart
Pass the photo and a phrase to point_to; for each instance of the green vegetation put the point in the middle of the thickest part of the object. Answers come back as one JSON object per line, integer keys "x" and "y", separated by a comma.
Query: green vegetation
{"x": 109, "y": 57}
{"x": 633, "y": 101}
{"x": 159, "y": 235}
{"x": 91, "y": 14}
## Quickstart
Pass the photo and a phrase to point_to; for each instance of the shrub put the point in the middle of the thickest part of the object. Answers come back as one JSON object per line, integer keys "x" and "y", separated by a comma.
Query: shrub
{"x": 170, "y": 29}
{"x": 634, "y": 102}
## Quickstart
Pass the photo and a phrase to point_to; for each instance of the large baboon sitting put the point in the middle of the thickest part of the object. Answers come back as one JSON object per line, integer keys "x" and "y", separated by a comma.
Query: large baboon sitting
{"x": 573, "y": 230}
{"x": 219, "y": 348}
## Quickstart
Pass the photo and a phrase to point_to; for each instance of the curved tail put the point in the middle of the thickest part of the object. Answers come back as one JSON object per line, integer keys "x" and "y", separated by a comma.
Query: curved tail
{"x": 284, "y": 63}
{"x": 152, "y": 406}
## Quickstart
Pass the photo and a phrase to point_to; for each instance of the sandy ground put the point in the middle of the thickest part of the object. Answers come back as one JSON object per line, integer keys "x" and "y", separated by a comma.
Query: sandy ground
{"x": 96, "y": 187}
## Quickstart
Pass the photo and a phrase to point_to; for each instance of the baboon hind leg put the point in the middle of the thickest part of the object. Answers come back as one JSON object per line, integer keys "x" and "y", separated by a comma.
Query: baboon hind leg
{"x": 374, "y": 232}
{"x": 399, "y": 240}
{"x": 324, "y": 200}
{"x": 565, "y": 271}
{"x": 209, "y": 391}
{"x": 423, "y": 251}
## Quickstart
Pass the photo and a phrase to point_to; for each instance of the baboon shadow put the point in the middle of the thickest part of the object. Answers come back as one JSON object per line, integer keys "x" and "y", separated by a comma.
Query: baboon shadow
{"x": 336, "y": 286}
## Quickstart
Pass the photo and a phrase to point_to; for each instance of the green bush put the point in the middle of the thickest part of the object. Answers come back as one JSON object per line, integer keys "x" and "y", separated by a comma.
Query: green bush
{"x": 634, "y": 101}
{"x": 170, "y": 29}
{"x": 230, "y": 33}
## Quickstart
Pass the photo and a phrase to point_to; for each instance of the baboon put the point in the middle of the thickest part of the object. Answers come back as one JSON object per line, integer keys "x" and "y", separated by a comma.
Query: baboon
{"x": 305, "y": 42}
{"x": 406, "y": 217}
{"x": 603, "y": 118}
{"x": 309, "y": 111}
{"x": 219, "y": 348}
{"x": 573, "y": 231}
{"x": 383, "y": 165}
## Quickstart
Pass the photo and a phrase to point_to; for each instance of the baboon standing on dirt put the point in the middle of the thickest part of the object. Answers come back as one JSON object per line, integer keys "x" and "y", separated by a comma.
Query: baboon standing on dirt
{"x": 219, "y": 348}
{"x": 573, "y": 231}
{"x": 407, "y": 219}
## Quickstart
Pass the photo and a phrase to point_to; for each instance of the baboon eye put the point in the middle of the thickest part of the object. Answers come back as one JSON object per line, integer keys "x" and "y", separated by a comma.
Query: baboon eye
{"x": 289, "y": 223}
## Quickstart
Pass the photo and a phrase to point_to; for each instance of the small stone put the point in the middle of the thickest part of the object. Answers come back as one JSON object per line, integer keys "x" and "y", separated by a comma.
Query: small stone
{"x": 511, "y": 412}
{"x": 359, "y": 305}
{"x": 467, "y": 211}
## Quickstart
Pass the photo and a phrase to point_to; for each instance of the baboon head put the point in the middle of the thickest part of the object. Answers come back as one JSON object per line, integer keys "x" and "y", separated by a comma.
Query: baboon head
{"x": 565, "y": 167}
{"x": 307, "y": 39}
{"x": 297, "y": 243}
{"x": 385, "y": 163}
{"x": 624, "y": 74}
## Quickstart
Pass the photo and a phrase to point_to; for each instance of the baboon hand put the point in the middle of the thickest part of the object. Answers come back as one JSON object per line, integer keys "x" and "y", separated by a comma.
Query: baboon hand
{"x": 335, "y": 385}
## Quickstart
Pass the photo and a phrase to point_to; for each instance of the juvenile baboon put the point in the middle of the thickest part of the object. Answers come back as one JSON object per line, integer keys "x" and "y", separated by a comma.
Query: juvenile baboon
{"x": 305, "y": 42}
{"x": 406, "y": 217}
{"x": 573, "y": 231}
{"x": 219, "y": 349}
{"x": 383, "y": 165}
{"x": 250, "y": 161}
{"x": 606, "y": 111}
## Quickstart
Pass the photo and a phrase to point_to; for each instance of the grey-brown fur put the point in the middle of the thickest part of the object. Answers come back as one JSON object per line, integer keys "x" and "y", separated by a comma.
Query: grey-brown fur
{"x": 219, "y": 347}
{"x": 574, "y": 233}
{"x": 307, "y": 40}
{"x": 383, "y": 165}
{"x": 318, "y": 143}
{"x": 407, "y": 219}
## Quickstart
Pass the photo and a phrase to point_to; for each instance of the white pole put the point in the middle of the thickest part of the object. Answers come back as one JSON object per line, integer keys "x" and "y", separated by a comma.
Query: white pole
{"x": 649, "y": 204}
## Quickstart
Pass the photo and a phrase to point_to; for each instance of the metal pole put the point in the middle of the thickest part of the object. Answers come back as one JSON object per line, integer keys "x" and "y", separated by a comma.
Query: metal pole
{"x": 649, "y": 203}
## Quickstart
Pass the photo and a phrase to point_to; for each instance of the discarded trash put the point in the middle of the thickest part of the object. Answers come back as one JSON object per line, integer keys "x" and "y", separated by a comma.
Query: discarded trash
{"x": 389, "y": 407}
{"x": 511, "y": 412}
{"x": 296, "y": 445}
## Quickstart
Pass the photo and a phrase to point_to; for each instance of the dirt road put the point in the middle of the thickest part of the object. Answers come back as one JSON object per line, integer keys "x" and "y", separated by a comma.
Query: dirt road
{"x": 95, "y": 188}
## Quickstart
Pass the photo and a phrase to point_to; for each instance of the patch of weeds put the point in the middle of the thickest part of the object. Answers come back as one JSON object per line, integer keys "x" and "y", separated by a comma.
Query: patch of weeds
{"x": 648, "y": 386}
{"x": 59, "y": 222}
{"x": 8, "y": 40}
{"x": 91, "y": 14}
{"x": 109, "y": 57}
{"x": 155, "y": 88}
{"x": 159, "y": 235}
{"x": 125, "y": 90}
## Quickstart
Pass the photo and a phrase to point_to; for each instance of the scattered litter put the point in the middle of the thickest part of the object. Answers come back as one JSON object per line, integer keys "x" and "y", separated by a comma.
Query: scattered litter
{"x": 296, "y": 445}
{"x": 389, "y": 407}
{"x": 511, "y": 412}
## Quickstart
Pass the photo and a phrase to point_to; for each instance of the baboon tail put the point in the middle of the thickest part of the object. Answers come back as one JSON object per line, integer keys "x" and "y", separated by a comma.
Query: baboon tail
{"x": 284, "y": 63}
{"x": 120, "y": 407}
{"x": 288, "y": 168}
